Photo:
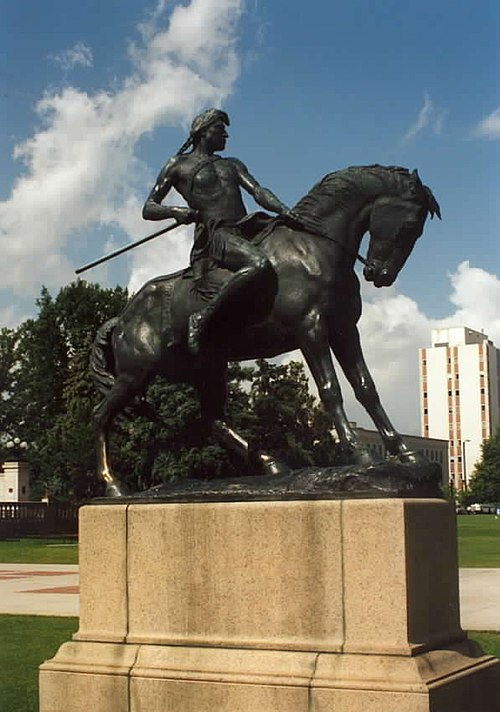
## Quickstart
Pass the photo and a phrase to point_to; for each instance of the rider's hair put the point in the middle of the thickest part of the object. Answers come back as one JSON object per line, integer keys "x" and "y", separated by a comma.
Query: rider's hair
{"x": 185, "y": 146}
{"x": 200, "y": 123}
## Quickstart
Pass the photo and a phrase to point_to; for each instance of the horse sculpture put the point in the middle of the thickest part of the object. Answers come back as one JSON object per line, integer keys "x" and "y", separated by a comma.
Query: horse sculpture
{"x": 315, "y": 308}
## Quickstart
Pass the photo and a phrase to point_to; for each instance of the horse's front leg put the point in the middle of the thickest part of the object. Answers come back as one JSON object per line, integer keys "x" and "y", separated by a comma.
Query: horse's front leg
{"x": 314, "y": 344}
{"x": 347, "y": 349}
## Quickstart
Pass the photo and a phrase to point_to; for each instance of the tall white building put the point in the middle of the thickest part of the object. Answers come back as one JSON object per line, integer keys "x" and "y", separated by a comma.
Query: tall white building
{"x": 460, "y": 395}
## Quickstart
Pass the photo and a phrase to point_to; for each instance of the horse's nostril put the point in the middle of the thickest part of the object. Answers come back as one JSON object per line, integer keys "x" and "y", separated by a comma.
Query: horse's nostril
{"x": 386, "y": 278}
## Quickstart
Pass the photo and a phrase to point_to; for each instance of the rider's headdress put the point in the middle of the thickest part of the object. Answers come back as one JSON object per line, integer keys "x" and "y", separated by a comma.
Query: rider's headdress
{"x": 201, "y": 122}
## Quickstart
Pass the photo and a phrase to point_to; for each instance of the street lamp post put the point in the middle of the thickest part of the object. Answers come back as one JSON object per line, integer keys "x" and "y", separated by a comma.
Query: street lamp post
{"x": 16, "y": 446}
{"x": 464, "y": 471}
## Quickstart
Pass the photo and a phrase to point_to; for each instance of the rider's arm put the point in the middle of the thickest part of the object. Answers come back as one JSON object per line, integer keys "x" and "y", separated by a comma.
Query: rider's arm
{"x": 154, "y": 210}
{"x": 263, "y": 196}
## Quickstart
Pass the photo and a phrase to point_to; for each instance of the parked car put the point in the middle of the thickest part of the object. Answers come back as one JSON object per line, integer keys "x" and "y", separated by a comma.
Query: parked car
{"x": 482, "y": 508}
{"x": 474, "y": 508}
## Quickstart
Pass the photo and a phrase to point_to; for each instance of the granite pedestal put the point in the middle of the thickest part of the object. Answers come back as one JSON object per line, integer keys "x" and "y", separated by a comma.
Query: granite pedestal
{"x": 290, "y": 606}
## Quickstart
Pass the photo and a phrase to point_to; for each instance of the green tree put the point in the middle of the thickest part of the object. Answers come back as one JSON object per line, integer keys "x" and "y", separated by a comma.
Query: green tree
{"x": 286, "y": 419}
{"x": 176, "y": 444}
{"x": 485, "y": 484}
{"x": 7, "y": 378}
{"x": 268, "y": 404}
{"x": 50, "y": 396}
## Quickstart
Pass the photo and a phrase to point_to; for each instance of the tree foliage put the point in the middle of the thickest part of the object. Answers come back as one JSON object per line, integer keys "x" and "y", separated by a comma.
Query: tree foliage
{"x": 47, "y": 399}
{"x": 485, "y": 484}
{"x": 7, "y": 375}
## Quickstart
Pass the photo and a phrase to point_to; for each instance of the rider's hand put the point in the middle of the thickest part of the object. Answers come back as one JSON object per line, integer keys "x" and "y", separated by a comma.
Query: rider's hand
{"x": 292, "y": 215}
{"x": 185, "y": 216}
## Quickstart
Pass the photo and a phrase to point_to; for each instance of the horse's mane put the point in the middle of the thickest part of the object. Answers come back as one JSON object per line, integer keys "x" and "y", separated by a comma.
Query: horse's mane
{"x": 340, "y": 187}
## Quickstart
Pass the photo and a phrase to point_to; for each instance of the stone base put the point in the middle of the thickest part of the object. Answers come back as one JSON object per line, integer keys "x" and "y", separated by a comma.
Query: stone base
{"x": 324, "y": 606}
{"x": 110, "y": 677}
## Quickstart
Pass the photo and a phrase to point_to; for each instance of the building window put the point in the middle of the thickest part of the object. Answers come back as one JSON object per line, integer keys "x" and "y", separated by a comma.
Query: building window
{"x": 23, "y": 490}
{"x": 11, "y": 490}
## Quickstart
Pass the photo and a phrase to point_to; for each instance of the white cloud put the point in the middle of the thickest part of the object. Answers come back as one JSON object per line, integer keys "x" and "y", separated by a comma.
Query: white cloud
{"x": 428, "y": 116}
{"x": 79, "y": 55}
{"x": 11, "y": 316}
{"x": 489, "y": 127}
{"x": 80, "y": 168}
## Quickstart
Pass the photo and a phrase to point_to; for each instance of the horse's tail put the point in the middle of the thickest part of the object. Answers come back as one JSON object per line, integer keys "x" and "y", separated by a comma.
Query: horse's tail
{"x": 101, "y": 357}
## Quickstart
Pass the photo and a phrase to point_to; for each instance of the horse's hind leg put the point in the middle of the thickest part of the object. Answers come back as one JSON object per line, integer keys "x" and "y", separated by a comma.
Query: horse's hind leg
{"x": 347, "y": 349}
{"x": 213, "y": 393}
{"x": 120, "y": 394}
{"x": 264, "y": 463}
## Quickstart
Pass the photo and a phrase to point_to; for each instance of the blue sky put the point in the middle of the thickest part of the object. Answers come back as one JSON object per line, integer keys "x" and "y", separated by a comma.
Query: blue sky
{"x": 96, "y": 99}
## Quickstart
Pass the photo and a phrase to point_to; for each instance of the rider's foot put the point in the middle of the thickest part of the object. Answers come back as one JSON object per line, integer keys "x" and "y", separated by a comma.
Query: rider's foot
{"x": 196, "y": 329}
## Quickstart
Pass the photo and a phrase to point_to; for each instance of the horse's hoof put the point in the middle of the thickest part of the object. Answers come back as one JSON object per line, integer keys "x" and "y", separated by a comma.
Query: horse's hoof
{"x": 116, "y": 489}
{"x": 271, "y": 466}
{"x": 412, "y": 457}
{"x": 363, "y": 457}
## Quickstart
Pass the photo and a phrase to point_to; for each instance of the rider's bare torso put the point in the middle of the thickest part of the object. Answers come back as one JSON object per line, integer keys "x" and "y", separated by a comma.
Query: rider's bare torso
{"x": 210, "y": 186}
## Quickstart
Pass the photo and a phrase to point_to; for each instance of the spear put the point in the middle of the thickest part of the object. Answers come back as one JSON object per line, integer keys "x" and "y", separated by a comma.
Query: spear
{"x": 126, "y": 248}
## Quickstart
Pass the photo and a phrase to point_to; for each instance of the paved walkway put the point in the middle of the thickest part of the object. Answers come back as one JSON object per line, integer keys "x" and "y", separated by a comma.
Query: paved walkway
{"x": 39, "y": 589}
{"x": 52, "y": 590}
{"x": 480, "y": 599}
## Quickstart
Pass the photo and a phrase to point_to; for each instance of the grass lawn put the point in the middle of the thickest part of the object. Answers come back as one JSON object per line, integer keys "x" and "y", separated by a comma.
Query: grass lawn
{"x": 478, "y": 546}
{"x": 478, "y": 541}
{"x": 25, "y": 642}
{"x": 38, "y": 551}
{"x": 488, "y": 640}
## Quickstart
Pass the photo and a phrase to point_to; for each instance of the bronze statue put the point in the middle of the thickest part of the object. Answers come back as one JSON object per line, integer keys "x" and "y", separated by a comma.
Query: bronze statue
{"x": 211, "y": 186}
{"x": 297, "y": 289}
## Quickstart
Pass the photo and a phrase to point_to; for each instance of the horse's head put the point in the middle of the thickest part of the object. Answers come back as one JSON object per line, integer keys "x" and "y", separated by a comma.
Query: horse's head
{"x": 396, "y": 221}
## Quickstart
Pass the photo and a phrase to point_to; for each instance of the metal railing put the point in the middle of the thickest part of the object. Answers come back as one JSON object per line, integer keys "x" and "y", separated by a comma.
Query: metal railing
{"x": 38, "y": 519}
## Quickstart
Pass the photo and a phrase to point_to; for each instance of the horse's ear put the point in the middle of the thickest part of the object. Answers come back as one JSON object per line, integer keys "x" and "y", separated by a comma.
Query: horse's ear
{"x": 432, "y": 203}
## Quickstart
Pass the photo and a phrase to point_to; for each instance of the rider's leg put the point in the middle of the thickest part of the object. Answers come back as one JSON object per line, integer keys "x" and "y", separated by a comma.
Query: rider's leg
{"x": 251, "y": 271}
